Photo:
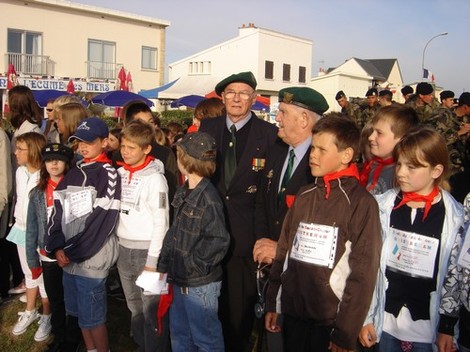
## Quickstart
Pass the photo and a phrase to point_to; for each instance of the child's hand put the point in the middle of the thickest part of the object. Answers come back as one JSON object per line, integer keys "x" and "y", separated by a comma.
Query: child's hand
{"x": 270, "y": 322}
{"x": 445, "y": 343}
{"x": 36, "y": 272}
{"x": 334, "y": 348}
{"x": 368, "y": 336}
{"x": 61, "y": 258}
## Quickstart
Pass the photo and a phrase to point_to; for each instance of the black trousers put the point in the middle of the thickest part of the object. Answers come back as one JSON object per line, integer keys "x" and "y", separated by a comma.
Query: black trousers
{"x": 302, "y": 335}
{"x": 65, "y": 328}
{"x": 9, "y": 266}
{"x": 237, "y": 301}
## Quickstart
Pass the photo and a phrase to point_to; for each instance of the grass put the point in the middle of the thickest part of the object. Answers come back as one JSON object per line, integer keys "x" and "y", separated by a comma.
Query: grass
{"x": 118, "y": 328}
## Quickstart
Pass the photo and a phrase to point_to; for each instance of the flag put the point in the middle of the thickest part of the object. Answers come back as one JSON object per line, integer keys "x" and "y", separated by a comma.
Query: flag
{"x": 70, "y": 87}
{"x": 121, "y": 81}
{"x": 11, "y": 77}
{"x": 129, "y": 85}
{"x": 428, "y": 74}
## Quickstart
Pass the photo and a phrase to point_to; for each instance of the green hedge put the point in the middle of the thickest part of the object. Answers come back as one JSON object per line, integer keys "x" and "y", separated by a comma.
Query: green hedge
{"x": 184, "y": 117}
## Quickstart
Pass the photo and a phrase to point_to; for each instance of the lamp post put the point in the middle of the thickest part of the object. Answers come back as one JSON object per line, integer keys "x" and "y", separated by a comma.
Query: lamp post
{"x": 424, "y": 50}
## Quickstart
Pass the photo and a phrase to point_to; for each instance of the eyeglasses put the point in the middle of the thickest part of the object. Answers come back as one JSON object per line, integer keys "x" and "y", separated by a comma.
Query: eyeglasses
{"x": 49, "y": 110}
{"x": 243, "y": 95}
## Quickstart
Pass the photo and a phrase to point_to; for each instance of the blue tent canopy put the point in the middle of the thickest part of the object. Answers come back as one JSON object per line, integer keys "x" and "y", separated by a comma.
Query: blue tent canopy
{"x": 119, "y": 98}
{"x": 153, "y": 93}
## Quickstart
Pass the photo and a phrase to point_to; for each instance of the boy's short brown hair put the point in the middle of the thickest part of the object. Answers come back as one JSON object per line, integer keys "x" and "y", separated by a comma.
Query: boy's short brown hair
{"x": 402, "y": 118}
{"x": 138, "y": 132}
{"x": 203, "y": 168}
{"x": 344, "y": 130}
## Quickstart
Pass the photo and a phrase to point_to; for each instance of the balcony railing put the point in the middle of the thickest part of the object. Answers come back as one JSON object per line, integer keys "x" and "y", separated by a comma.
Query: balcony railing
{"x": 102, "y": 70}
{"x": 30, "y": 64}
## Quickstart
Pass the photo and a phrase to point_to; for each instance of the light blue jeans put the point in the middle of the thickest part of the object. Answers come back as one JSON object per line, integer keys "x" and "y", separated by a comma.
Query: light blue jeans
{"x": 194, "y": 323}
{"x": 388, "y": 343}
{"x": 143, "y": 308}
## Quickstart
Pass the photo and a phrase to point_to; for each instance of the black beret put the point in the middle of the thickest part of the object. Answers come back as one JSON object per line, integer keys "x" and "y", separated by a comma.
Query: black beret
{"x": 244, "y": 77}
{"x": 464, "y": 99}
{"x": 424, "y": 88}
{"x": 406, "y": 90}
{"x": 340, "y": 95}
{"x": 446, "y": 94}
{"x": 372, "y": 92}
{"x": 304, "y": 97}
{"x": 385, "y": 92}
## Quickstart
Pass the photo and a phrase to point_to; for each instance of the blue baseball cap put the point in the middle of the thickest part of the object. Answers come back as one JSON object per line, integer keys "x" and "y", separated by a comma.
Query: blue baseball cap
{"x": 90, "y": 129}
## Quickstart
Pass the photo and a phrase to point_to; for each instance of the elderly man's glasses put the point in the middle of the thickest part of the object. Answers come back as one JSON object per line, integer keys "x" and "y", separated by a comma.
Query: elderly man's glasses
{"x": 243, "y": 95}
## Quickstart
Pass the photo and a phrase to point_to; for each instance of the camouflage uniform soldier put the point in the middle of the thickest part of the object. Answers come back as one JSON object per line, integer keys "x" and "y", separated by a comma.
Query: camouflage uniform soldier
{"x": 347, "y": 108}
{"x": 365, "y": 113}
{"x": 423, "y": 102}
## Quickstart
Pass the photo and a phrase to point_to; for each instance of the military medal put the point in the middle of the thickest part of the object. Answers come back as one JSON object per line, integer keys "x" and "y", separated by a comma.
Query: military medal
{"x": 258, "y": 164}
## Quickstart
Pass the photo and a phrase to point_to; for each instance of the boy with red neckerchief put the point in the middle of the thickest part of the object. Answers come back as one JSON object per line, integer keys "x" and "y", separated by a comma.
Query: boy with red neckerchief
{"x": 143, "y": 222}
{"x": 328, "y": 252}
{"x": 81, "y": 231}
{"x": 389, "y": 124}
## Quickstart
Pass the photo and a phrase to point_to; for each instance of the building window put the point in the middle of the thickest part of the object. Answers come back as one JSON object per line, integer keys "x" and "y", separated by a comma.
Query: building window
{"x": 149, "y": 58}
{"x": 101, "y": 59}
{"x": 302, "y": 73}
{"x": 286, "y": 72}
{"x": 268, "y": 69}
{"x": 200, "y": 67}
{"x": 25, "y": 51}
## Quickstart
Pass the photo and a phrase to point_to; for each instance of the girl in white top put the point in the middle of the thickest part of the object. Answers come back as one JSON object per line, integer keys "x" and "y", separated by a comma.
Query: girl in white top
{"x": 420, "y": 223}
{"x": 28, "y": 156}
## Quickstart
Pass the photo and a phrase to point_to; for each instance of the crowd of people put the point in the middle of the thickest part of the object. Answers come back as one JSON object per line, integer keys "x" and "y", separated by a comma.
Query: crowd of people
{"x": 328, "y": 232}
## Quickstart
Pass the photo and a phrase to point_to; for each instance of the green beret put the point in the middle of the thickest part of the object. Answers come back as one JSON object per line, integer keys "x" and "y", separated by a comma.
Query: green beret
{"x": 244, "y": 77}
{"x": 304, "y": 97}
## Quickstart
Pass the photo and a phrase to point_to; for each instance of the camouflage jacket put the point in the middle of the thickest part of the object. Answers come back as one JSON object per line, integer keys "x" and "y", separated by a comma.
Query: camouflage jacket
{"x": 426, "y": 111}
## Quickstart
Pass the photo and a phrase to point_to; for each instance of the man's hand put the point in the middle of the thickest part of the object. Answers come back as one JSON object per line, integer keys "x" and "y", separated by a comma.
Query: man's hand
{"x": 334, "y": 348}
{"x": 368, "y": 336}
{"x": 61, "y": 258}
{"x": 270, "y": 322}
{"x": 445, "y": 343}
{"x": 264, "y": 250}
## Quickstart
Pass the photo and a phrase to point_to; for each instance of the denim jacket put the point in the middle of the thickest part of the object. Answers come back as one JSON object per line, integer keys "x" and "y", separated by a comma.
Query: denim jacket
{"x": 197, "y": 241}
{"x": 36, "y": 226}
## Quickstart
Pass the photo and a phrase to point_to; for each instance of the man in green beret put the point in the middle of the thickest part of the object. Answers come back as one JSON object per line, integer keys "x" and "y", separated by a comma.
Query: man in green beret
{"x": 287, "y": 170}
{"x": 242, "y": 143}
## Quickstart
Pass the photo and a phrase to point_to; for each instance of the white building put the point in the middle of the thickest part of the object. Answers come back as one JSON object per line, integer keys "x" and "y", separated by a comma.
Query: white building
{"x": 276, "y": 59}
{"x": 355, "y": 76}
{"x": 50, "y": 41}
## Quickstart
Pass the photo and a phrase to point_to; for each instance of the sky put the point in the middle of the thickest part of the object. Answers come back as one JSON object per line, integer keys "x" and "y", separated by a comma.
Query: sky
{"x": 339, "y": 30}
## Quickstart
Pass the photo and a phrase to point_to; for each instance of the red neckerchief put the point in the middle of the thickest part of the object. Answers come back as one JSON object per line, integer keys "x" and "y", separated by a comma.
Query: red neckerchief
{"x": 131, "y": 169}
{"x": 290, "y": 198}
{"x": 51, "y": 186}
{"x": 349, "y": 171}
{"x": 102, "y": 158}
{"x": 415, "y": 197}
{"x": 381, "y": 163}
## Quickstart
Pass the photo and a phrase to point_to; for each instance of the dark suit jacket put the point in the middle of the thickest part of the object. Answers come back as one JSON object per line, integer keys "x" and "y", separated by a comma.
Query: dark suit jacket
{"x": 270, "y": 212}
{"x": 239, "y": 199}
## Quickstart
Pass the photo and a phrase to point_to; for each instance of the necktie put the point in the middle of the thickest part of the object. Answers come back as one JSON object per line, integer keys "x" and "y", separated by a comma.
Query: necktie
{"x": 288, "y": 172}
{"x": 230, "y": 162}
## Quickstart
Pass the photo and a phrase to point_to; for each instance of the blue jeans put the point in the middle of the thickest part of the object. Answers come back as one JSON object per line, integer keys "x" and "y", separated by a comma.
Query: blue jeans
{"x": 143, "y": 308}
{"x": 194, "y": 323}
{"x": 388, "y": 343}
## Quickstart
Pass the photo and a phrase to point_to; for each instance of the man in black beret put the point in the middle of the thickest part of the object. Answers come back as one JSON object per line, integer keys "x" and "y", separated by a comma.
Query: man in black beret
{"x": 407, "y": 92}
{"x": 385, "y": 97}
{"x": 347, "y": 108}
{"x": 423, "y": 101}
{"x": 368, "y": 110}
{"x": 242, "y": 143}
{"x": 447, "y": 99}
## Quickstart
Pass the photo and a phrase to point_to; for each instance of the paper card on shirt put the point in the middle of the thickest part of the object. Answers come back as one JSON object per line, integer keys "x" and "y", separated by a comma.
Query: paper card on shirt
{"x": 464, "y": 257}
{"x": 130, "y": 192}
{"x": 78, "y": 202}
{"x": 150, "y": 282}
{"x": 412, "y": 254}
{"x": 315, "y": 244}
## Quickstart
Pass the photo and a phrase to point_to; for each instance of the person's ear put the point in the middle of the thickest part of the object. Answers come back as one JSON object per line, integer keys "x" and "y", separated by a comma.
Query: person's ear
{"x": 347, "y": 155}
{"x": 437, "y": 171}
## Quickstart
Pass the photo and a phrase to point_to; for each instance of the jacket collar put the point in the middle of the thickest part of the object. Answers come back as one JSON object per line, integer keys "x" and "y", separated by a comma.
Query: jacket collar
{"x": 193, "y": 198}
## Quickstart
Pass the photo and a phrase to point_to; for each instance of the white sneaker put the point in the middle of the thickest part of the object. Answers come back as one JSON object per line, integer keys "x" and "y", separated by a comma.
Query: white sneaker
{"x": 25, "y": 320}
{"x": 44, "y": 328}
{"x": 23, "y": 298}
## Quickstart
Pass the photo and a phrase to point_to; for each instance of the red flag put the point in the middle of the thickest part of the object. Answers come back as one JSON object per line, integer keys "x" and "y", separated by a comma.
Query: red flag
{"x": 122, "y": 79}
{"x": 130, "y": 88}
{"x": 11, "y": 77}
{"x": 71, "y": 87}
